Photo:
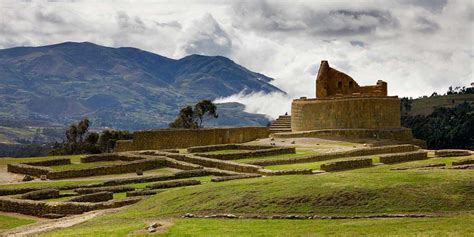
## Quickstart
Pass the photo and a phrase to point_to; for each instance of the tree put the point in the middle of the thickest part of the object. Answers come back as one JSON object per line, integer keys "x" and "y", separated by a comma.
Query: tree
{"x": 92, "y": 138}
{"x": 203, "y": 109}
{"x": 185, "y": 119}
{"x": 444, "y": 127}
{"x": 193, "y": 118}
{"x": 72, "y": 133}
{"x": 83, "y": 127}
{"x": 108, "y": 139}
{"x": 405, "y": 105}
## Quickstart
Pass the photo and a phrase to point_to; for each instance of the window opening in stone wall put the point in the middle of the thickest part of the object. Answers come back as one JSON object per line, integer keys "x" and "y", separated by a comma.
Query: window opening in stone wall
{"x": 339, "y": 84}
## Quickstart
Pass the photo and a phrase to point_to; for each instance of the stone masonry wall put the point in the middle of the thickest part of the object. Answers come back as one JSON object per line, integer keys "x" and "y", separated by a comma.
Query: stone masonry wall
{"x": 182, "y": 138}
{"x": 398, "y": 134}
{"x": 145, "y": 164}
{"x": 345, "y": 113}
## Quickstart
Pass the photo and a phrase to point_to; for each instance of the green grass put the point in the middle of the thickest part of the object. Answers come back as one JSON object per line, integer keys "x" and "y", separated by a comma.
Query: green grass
{"x": 457, "y": 225}
{"x": 41, "y": 184}
{"x": 425, "y": 106}
{"x": 5, "y": 161}
{"x": 354, "y": 192}
{"x": 299, "y": 153}
{"x": 85, "y": 165}
{"x": 120, "y": 195}
{"x": 463, "y": 226}
{"x": 10, "y": 222}
{"x": 375, "y": 159}
{"x": 225, "y": 151}
{"x": 311, "y": 165}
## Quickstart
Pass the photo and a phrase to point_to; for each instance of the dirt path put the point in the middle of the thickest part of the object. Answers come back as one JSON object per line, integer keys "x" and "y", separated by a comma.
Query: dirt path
{"x": 49, "y": 225}
{"x": 6, "y": 177}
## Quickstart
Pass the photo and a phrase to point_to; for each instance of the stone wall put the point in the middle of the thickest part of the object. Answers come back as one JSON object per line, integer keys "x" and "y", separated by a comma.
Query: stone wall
{"x": 331, "y": 82}
{"x": 285, "y": 172}
{"x": 220, "y": 164}
{"x": 173, "y": 184}
{"x": 252, "y": 153}
{"x": 452, "y": 152}
{"x": 233, "y": 177}
{"x": 112, "y": 189}
{"x": 347, "y": 164}
{"x": 226, "y": 147}
{"x": 468, "y": 161}
{"x": 334, "y": 155}
{"x": 110, "y": 157}
{"x": 28, "y": 169}
{"x": 41, "y": 194}
{"x": 40, "y": 208}
{"x": 403, "y": 157}
{"x": 145, "y": 164}
{"x": 93, "y": 197}
{"x": 182, "y": 138}
{"x": 161, "y": 177}
{"x": 345, "y": 113}
{"x": 50, "y": 162}
{"x": 399, "y": 134}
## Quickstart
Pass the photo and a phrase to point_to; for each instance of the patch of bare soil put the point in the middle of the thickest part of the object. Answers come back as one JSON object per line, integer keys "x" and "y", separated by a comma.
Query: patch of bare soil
{"x": 49, "y": 225}
{"x": 6, "y": 177}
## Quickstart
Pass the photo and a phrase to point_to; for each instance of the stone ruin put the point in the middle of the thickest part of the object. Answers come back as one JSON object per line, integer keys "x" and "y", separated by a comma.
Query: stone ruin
{"x": 333, "y": 83}
{"x": 343, "y": 108}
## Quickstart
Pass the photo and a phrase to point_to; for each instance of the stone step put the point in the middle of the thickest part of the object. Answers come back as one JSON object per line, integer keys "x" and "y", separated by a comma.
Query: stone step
{"x": 280, "y": 123}
{"x": 280, "y": 129}
{"x": 280, "y": 126}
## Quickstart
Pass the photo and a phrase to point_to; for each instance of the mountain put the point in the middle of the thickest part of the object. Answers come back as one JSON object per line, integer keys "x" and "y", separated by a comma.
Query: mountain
{"x": 123, "y": 88}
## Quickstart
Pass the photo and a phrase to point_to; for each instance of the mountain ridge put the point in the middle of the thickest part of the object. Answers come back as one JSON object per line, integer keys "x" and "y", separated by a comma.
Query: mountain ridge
{"x": 124, "y": 88}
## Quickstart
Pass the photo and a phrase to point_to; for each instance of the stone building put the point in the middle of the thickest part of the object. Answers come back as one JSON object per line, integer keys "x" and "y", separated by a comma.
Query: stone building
{"x": 333, "y": 83}
{"x": 344, "y": 108}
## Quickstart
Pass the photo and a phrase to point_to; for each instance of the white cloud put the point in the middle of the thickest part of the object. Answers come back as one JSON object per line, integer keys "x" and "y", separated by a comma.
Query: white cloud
{"x": 416, "y": 46}
{"x": 272, "y": 104}
{"x": 204, "y": 36}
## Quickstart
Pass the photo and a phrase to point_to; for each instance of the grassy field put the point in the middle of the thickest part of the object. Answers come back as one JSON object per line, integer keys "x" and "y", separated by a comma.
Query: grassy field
{"x": 425, "y": 106}
{"x": 9, "y": 222}
{"x": 374, "y": 190}
{"x": 457, "y": 225}
{"x": 362, "y": 191}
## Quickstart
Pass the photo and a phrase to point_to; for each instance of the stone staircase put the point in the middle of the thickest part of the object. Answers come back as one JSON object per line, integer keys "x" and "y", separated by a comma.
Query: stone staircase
{"x": 281, "y": 124}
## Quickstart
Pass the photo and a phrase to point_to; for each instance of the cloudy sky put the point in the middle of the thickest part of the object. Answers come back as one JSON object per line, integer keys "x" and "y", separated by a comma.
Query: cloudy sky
{"x": 417, "y": 46}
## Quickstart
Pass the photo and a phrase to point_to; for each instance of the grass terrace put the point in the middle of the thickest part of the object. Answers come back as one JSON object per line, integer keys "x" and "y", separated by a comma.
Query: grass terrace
{"x": 300, "y": 152}
{"x": 448, "y": 193}
{"x": 225, "y": 151}
{"x": 9, "y": 221}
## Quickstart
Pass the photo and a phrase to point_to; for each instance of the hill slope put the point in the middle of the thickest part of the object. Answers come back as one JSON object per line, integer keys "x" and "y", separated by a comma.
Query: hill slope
{"x": 124, "y": 88}
{"x": 426, "y": 105}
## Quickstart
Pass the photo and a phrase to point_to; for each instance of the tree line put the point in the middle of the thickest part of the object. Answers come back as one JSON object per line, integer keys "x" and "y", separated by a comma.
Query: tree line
{"x": 444, "y": 127}
{"x": 79, "y": 140}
